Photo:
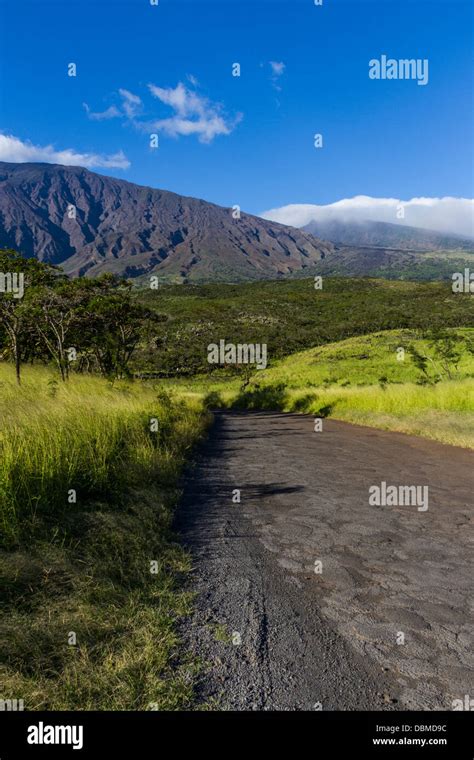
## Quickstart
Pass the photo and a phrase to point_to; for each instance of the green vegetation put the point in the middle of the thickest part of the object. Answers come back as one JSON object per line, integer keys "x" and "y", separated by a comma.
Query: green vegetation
{"x": 368, "y": 359}
{"x": 289, "y": 316}
{"x": 82, "y": 569}
{"x": 418, "y": 266}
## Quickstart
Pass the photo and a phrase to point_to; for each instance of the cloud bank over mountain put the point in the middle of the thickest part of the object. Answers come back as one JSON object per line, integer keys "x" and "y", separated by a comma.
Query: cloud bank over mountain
{"x": 446, "y": 215}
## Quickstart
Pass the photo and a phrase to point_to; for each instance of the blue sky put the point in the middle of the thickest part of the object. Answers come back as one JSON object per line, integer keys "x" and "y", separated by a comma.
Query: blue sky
{"x": 381, "y": 138}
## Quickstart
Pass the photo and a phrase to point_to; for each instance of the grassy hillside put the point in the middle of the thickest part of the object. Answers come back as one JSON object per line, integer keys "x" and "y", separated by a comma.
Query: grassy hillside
{"x": 364, "y": 360}
{"x": 87, "y": 622}
{"x": 289, "y": 316}
{"x": 361, "y": 380}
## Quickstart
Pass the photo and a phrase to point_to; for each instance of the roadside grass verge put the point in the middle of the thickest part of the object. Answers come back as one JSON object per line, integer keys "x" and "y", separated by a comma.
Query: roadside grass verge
{"x": 88, "y": 622}
{"x": 443, "y": 412}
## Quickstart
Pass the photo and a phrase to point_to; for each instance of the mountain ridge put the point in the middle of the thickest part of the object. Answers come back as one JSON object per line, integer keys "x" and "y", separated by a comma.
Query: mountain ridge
{"x": 134, "y": 230}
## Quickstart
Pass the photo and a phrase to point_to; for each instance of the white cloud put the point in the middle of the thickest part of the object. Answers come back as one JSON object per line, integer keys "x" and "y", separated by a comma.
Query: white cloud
{"x": 278, "y": 67}
{"x": 131, "y": 106}
{"x": 447, "y": 215}
{"x": 182, "y": 100}
{"x": 205, "y": 128}
{"x": 110, "y": 113}
{"x": 193, "y": 114}
{"x": 18, "y": 151}
{"x": 131, "y": 103}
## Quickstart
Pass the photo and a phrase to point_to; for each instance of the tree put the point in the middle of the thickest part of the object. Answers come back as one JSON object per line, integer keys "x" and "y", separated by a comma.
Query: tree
{"x": 57, "y": 313}
{"x": 116, "y": 325}
{"x": 16, "y": 323}
{"x": 442, "y": 354}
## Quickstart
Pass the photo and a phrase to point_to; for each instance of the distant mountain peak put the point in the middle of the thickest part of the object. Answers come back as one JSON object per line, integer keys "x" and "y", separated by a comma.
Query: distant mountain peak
{"x": 386, "y": 235}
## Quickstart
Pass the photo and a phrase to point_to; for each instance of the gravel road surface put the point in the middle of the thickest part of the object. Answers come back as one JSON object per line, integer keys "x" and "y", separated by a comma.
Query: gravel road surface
{"x": 308, "y": 596}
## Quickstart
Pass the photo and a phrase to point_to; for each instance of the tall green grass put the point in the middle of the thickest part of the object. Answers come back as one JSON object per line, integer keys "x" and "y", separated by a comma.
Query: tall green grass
{"x": 84, "y": 567}
{"x": 443, "y": 412}
{"x": 86, "y": 435}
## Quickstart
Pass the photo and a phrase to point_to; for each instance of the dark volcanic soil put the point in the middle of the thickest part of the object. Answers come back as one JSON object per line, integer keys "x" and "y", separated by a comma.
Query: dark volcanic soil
{"x": 386, "y": 624}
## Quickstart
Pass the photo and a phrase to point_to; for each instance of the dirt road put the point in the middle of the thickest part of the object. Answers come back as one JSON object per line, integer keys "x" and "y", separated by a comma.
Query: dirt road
{"x": 309, "y": 596}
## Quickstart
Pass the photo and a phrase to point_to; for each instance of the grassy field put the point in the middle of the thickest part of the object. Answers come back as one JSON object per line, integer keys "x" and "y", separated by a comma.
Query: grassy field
{"x": 87, "y": 621}
{"x": 359, "y": 380}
